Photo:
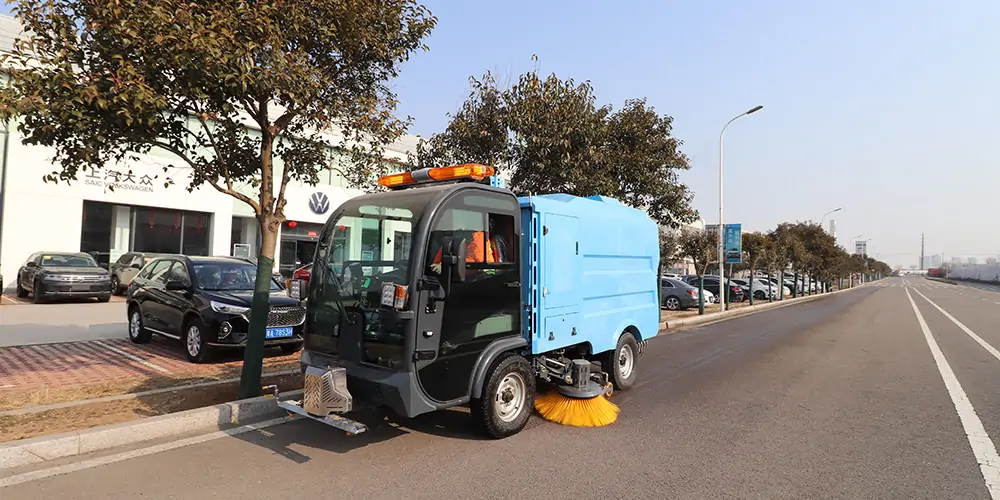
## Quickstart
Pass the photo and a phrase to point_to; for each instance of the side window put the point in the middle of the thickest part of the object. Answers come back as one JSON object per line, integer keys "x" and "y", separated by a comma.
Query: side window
{"x": 125, "y": 259}
{"x": 180, "y": 273}
{"x": 458, "y": 223}
{"x": 666, "y": 284}
{"x": 33, "y": 257}
{"x": 158, "y": 272}
{"x": 137, "y": 259}
{"x": 501, "y": 238}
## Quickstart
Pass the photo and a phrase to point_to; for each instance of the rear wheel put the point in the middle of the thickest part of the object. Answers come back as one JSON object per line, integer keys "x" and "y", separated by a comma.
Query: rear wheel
{"x": 507, "y": 398}
{"x": 760, "y": 295}
{"x": 672, "y": 303}
{"x": 137, "y": 332}
{"x": 621, "y": 363}
{"x": 116, "y": 285}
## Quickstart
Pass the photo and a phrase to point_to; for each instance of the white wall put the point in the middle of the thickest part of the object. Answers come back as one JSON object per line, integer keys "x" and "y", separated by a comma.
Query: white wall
{"x": 45, "y": 216}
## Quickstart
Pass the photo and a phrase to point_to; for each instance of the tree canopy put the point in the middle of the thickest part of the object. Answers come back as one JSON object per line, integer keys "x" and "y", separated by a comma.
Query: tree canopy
{"x": 700, "y": 246}
{"x": 226, "y": 86}
{"x": 550, "y": 136}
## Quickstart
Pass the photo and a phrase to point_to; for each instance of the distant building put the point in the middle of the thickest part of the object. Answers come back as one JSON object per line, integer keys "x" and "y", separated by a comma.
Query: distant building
{"x": 936, "y": 260}
{"x": 972, "y": 260}
{"x": 956, "y": 260}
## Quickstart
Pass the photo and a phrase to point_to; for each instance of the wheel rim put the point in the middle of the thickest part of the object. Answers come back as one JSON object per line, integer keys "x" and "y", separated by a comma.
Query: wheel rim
{"x": 510, "y": 397}
{"x": 133, "y": 326}
{"x": 626, "y": 361}
{"x": 193, "y": 340}
{"x": 672, "y": 303}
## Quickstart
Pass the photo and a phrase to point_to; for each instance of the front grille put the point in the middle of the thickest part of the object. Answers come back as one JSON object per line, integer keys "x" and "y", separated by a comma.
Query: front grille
{"x": 81, "y": 278}
{"x": 286, "y": 316}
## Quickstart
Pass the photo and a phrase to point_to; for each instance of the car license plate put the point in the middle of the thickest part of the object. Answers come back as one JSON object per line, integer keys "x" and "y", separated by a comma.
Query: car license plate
{"x": 278, "y": 333}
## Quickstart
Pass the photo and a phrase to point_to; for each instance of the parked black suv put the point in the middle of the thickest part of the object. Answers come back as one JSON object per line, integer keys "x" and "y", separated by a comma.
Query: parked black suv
{"x": 205, "y": 303}
{"x": 63, "y": 274}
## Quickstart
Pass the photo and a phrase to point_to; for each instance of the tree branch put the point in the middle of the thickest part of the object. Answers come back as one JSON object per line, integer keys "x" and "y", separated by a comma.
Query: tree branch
{"x": 214, "y": 183}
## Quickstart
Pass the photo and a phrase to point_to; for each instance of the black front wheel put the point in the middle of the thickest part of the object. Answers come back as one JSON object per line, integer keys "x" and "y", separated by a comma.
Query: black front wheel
{"x": 507, "y": 399}
{"x": 21, "y": 292}
{"x": 38, "y": 293}
{"x": 195, "y": 346}
{"x": 116, "y": 285}
{"x": 621, "y": 364}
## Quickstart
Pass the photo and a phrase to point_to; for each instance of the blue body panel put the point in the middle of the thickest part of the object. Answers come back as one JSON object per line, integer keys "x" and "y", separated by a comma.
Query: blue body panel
{"x": 590, "y": 272}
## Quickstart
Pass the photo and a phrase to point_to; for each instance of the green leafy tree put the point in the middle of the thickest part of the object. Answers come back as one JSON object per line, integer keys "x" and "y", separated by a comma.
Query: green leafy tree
{"x": 700, "y": 246}
{"x": 100, "y": 82}
{"x": 551, "y": 136}
{"x": 756, "y": 246}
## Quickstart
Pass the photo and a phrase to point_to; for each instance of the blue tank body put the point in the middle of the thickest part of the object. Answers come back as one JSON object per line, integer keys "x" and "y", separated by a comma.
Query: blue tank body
{"x": 589, "y": 272}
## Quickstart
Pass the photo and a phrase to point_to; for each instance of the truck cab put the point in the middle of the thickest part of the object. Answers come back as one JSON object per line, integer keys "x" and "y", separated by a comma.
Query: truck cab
{"x": 417, "y": 302}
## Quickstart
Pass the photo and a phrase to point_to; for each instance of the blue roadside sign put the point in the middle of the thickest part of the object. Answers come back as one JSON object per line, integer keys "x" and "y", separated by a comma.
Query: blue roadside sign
{"x": 734, "y": 244}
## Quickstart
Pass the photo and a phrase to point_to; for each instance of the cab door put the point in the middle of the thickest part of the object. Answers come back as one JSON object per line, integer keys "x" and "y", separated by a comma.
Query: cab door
{"x": 454, "y": 328}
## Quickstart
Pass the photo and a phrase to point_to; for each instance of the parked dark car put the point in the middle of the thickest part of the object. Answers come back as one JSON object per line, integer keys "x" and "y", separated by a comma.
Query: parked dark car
{"x": 63, "y": 274}
{"x": 126, "y": 267}
{"x": 676, "y": 295}
{"x": 204, "y": 302}
{"x": 711, "y": 284}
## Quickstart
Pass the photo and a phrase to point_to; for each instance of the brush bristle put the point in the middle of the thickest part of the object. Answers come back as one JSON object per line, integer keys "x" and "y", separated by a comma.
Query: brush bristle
{"x": 593, "y": 412}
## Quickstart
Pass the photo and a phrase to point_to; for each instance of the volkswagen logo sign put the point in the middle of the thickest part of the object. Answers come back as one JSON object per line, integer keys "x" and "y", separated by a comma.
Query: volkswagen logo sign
{"x": 319, "y": 203}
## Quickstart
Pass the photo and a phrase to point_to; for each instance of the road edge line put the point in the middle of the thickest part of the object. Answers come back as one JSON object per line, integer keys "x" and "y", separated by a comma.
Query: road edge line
{"x": 979, "y": 340}
{"x": 980, "y": 442}
{"x": 46, "y": 448}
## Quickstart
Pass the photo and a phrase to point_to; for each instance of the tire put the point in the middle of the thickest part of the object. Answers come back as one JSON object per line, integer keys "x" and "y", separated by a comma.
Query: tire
{"x": 21, "y": 292}
{"x": 193, "y": 341}
{"x": 36, "y": 297}
{"x": 291, "y": 348}
{"x": 116, "y": 285}
{"x": 672, "y": 303}
{"x": 511, "y": 376}
{"x": 137, "y": 331}
{"x": 760, "y": 295}
{"x": 621, "y": 364}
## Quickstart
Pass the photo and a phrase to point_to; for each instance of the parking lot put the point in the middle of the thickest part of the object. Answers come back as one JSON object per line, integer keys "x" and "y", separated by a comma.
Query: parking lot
{"x": 74, "y": 344}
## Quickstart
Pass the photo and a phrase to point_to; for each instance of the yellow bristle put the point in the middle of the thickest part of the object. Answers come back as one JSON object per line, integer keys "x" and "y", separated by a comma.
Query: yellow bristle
{"x": 593, "y": 412}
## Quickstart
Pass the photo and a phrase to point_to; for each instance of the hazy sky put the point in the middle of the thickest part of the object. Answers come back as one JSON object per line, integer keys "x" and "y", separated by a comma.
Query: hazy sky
{"x": 888, "y": 109}
{"x": 885, "y": 108}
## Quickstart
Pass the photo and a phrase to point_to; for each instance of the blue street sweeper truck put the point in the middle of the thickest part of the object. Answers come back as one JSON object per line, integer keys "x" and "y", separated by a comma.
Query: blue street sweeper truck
{"x": 448, "y": 290}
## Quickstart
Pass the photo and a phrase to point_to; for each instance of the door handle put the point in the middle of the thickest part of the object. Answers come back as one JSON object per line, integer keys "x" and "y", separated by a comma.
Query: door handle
{"x": 513, "y": 284}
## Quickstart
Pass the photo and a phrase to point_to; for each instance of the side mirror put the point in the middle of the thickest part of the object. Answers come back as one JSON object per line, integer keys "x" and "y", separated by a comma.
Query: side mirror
{"x": 297, "y": 289}
{"x": 31, "y": 264}
{"x": 175, "y": 285}
{"x": 136, "y": 266}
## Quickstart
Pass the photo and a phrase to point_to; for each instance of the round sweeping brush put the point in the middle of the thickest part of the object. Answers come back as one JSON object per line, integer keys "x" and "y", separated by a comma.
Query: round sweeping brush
{"x": 576, "y": 412}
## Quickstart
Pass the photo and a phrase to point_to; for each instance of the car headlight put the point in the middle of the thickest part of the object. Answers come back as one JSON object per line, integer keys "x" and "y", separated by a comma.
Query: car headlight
{"x": 53, "y": 277}
{"x": 222, "y": 307}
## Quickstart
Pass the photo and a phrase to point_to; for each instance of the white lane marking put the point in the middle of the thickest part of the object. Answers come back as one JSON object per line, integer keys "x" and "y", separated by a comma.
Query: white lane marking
{"x": 979, "y": 340}
{"x": 982, "y": 447}
{"x": 141, "y": 452}
{"x": 995, "y": 302}
{"x": 137, "y": 359}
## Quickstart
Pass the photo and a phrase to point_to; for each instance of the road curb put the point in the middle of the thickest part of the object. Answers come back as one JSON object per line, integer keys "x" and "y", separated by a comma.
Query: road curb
{"x": 941, "y": 280}
{"x": 46, "y": 448}
{"x": 670, "y": 325}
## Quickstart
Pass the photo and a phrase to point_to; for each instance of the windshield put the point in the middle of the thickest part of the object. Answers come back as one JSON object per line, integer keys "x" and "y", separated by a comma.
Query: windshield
{"x": 61, "y": 260}
{"x": 227, "y": 276}
{"x": 369, "y": 245}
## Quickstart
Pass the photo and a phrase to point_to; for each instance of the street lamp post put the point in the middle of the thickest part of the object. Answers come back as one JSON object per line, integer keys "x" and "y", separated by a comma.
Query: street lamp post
{"x": 823, "y": 219}
{"x": 723, "y": 288}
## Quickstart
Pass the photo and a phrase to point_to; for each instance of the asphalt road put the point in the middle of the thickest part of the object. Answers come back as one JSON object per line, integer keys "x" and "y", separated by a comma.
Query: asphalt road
{"x": 29, "y": 324}
{"x": 843, "y": 397}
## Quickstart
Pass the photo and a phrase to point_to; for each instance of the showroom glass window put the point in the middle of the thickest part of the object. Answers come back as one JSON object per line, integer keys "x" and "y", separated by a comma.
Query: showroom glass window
{"x": 160, "y": 230}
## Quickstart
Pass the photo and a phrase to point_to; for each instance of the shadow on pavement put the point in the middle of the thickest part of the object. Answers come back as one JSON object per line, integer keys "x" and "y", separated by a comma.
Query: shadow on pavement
{"x": 383, "y": 425}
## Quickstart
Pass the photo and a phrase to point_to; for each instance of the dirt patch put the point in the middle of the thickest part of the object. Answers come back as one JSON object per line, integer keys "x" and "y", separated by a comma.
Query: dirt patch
{"x": 85, "y": 416}
{"x": 15, "y": 399}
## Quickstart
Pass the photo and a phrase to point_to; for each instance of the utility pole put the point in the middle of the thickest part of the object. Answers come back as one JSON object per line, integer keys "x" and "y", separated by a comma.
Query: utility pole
{"x": 921, "y": 251}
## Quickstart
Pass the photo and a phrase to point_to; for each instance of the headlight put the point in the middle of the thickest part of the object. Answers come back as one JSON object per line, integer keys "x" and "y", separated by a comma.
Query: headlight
{"x": 222, "y": 307}
{"x": 53, "y": 277}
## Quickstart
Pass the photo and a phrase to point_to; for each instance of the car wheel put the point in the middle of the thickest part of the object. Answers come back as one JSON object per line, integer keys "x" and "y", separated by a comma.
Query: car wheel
{"x": 672, "y": 303}
{"x": 195, "y": 347}
{"x": 759, "y": 295}
{"x": 137, "y": 332}
{"x": 621, "y": 363}
{"x": 38, "y": 293}
{"x": 508, "y": 397}
{"x": 21, "y": 292}
{"x": 116, "y": 285}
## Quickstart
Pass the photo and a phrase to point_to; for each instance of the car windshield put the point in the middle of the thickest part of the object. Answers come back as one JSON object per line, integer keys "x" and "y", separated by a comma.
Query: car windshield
{"x": 227, "y": 276}
{"x": 64, "y": 260}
